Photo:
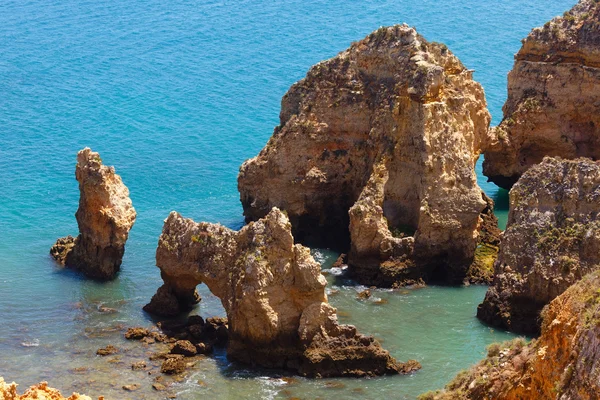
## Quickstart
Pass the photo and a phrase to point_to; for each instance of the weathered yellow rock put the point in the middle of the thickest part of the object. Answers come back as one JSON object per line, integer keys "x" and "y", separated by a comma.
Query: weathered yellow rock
{"x": 40, "y": 391}
{"x": 553, "y": 106}
{"x": 105, "y": 216}
{"x": 388, "y": 130}
{"x": 273, "y": 293}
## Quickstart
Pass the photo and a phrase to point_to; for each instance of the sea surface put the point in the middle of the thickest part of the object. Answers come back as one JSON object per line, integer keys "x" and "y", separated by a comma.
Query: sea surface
{"x": 176, "y": 95}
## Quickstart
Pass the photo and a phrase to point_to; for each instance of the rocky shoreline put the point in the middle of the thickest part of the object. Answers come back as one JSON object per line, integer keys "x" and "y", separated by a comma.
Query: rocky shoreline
{"x": 375, "y": 155}
{"x": 562, "y": 363}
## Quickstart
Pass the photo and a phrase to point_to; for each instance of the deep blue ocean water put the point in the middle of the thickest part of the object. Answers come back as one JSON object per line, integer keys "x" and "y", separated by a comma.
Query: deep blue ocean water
{"x": 176, "y": 95}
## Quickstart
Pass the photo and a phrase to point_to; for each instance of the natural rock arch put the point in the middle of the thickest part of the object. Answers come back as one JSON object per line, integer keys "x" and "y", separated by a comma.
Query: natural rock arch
{"x": 273, "y": 293}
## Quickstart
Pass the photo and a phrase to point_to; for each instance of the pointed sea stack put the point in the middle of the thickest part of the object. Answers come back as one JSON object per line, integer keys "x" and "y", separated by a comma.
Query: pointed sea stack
{"x": 551, "y": 241}
{"x": 553, "y": 106}
{"x": 274, "y": 296}
{"x": 375, "y": 153}
{"x": 105, "y": 217}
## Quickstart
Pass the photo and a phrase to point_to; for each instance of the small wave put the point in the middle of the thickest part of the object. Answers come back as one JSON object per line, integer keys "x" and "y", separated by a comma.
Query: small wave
{"x": 33, "y": 343}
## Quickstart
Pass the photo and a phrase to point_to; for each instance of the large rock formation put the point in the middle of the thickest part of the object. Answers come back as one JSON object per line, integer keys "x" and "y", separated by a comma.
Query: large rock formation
{"x": 552, "y": 239}
{"x": 564, "y": 363}
{"x": 36, "y": 392}
{"x": 105, "y": 217}
{"x": 377, "y": 146}
{"x": 553, "y": 105}
{"x": 274, "y": 296}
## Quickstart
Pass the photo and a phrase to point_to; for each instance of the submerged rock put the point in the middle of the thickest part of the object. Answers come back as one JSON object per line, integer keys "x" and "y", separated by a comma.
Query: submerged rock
{"x": 553, "y": 106}
{"x": 39, "y": 391}
{"x": 107, "y": 351}
{"x": 136, "y": 333}
{"x": 105, "y": 217}
{"x": 375, "y": 151}
{"x": 564, "y": 363}
{"x": 173, "y": 365}
{"x": 274, "y": 296}
{"x": 551, "y": 241}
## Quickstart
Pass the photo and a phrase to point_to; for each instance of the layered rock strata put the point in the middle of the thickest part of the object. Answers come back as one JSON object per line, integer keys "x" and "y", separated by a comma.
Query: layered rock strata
{"x": 8, "y": 391}
{"x": 105, "y": 216}
{"x": 553, "y": 105}
{"x": 375, "y": 151}
{"x": 274, "y": 296}
{"x": 563, "y": 363}
{"x": 552, "y": 239}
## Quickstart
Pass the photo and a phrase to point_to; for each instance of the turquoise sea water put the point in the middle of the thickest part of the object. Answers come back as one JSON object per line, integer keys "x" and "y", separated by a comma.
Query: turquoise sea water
{"x": 177, "y": 95}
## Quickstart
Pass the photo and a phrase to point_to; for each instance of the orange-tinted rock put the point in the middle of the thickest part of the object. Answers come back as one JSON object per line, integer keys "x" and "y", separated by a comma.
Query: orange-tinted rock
{"x": 105, "y": 217}
{"x": 37, "y": 392}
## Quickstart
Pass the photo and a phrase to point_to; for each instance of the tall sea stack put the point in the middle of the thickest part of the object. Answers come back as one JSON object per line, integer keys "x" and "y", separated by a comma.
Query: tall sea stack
{"x": 105, "y": 217}
{"x": 375, "y": 153}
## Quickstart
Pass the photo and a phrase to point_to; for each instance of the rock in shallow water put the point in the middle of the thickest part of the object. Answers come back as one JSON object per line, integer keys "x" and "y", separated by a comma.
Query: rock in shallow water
{"x": 375, "y": 151}
{"x": 105, "y": 216}
{"x": 551, "y": 241}
{"x": 174, "y": 365}
{"x": 274, "y": 296}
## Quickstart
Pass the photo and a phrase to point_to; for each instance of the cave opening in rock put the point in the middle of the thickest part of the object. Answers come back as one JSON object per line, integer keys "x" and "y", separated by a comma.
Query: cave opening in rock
{"x": 401, "y": 202}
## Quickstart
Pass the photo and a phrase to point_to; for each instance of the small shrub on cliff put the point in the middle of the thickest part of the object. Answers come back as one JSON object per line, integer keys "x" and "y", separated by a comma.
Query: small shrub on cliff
{"x": 493, "y": 350}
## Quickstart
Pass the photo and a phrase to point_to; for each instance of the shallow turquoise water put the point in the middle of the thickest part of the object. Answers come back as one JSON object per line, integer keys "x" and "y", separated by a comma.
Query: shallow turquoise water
{"x": 176, "y": 95}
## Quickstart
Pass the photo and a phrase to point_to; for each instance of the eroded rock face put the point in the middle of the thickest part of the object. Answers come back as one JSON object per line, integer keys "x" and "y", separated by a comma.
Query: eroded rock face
{"x": 563, "y": 363}
{"x": 553, "y": 106}
{"x": 552, "y": 239}
{"x": 274, "y": 296}
{"x": 39, "y": 391}
{"x": 105, "y": 216}
{"x": 374, "y": 144}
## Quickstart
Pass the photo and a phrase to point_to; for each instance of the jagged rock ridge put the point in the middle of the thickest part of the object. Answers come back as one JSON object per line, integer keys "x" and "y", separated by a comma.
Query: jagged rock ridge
{"x": 551, "y": 241}
{"x": 375, "y": 151}
{"x": 105, "y": 216}
{"x": 40, "y": 391}
{"x": 273, "y": 293}
{"x": 553, "y": 105}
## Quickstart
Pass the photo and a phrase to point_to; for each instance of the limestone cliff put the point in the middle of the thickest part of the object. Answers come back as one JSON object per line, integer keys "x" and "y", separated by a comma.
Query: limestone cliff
{"x": 273, "y": 293}
{"x": 105, "y": 217}
{"x": 377, "y": 147}
{"x": 563, "y": 363}
{"x": 553, "y": 105}
{"x": 552, "y": 239}
{"x": 40, "y": 391}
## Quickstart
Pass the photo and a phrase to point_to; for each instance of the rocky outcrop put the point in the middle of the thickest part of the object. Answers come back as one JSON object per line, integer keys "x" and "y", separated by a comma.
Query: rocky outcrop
{"x": 274, "y": 296}
{"x": 39, "y": 391}
{"x": 375, "y": 151}
{"x": 552, "y": 239}
{"x": 563, "y": 363}
{"x": 105, "y": 217}
{"x": 553, "y": 105}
